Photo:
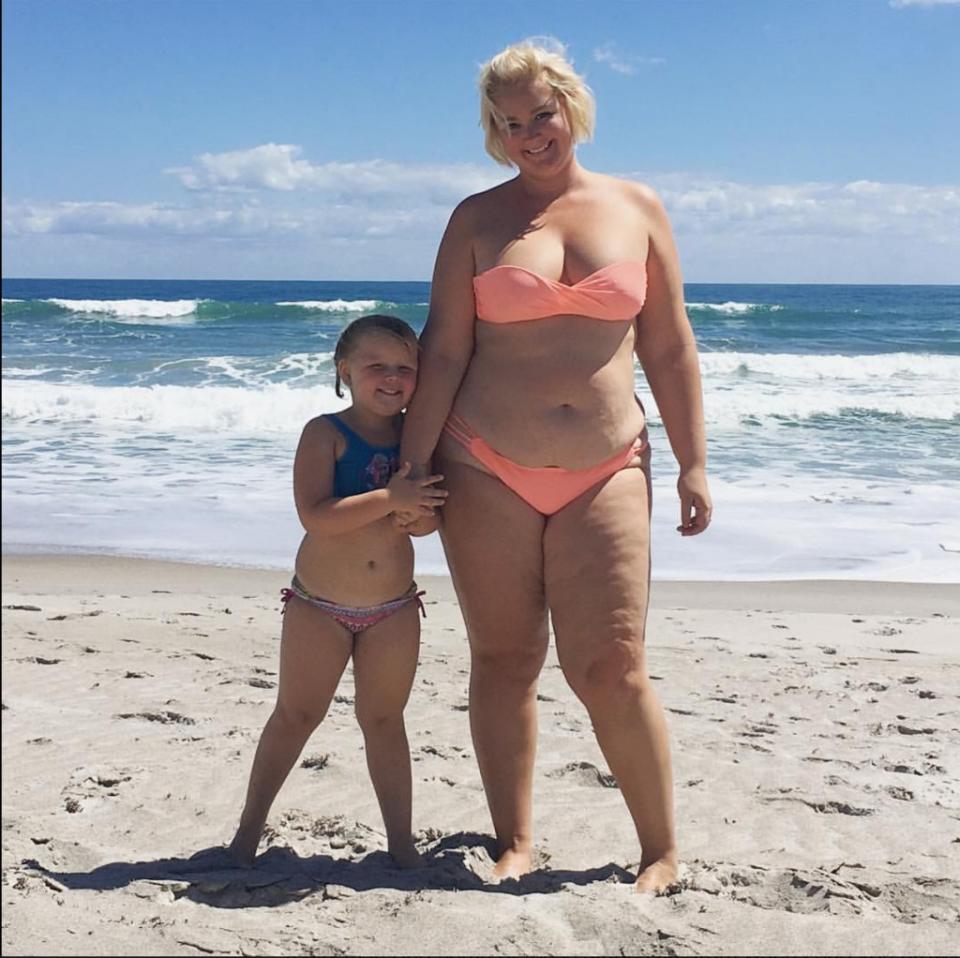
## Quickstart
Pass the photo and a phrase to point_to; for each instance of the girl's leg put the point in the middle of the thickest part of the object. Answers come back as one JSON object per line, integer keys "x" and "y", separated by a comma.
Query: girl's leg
{"x": 597, "y": 571}
{"x": 493, "y": 543}
{"x": 314, "y": 651}
{"x": 384, "y": 664}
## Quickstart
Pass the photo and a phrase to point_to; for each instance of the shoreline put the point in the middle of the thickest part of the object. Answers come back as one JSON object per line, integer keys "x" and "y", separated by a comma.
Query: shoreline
{"x": 97, "y": 572}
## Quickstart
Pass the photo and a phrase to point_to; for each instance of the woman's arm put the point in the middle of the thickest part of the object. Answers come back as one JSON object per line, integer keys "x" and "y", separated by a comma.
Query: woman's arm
{"x": 447, "y": 341}
{"x": 668, "y": 353}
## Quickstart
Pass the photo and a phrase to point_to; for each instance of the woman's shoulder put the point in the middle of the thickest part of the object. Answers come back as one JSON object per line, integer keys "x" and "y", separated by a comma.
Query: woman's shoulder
{"x": 477, "y": 204}
{"x": 472, "y": 216}
{"x": 634, "y": 191}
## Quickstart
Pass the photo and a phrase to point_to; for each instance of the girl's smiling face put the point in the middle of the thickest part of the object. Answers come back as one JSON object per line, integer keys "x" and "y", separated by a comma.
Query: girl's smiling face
{"x": 535, "y": 133}
{"x": 381, "y": 372}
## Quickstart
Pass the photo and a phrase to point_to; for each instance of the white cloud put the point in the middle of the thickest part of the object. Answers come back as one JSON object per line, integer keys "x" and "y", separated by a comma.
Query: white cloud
{"x": 279, "y": 167}
{"x": 246, "y": 220}
{"x": 899, "y": 4}
{"x": 112, "y": 218}
{"x": 727, "y": 230}
{"x": 263, "y": 192}
{"x": 624, "y": 63}
{"x": 858, "y": 208}
{"x": 696, "y": 204}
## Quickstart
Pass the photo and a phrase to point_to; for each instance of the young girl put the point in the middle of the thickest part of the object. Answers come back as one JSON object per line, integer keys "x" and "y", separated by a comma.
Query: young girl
{"x": 353, "y": 594}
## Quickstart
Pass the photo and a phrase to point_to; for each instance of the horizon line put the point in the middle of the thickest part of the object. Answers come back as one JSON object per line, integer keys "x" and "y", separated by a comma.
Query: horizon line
{"x": 426, "y": 282}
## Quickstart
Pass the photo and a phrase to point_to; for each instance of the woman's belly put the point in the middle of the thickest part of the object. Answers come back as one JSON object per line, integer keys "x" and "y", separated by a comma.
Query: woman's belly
{"x": 365, "y": 567}
{"x": 551, "y": 392}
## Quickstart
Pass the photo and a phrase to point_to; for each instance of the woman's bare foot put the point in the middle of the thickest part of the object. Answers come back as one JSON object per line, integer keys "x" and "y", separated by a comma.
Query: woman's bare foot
{"x": 658, "y": 876}
{"x": 407, "y": 856}
{"x": 513, "y": 863}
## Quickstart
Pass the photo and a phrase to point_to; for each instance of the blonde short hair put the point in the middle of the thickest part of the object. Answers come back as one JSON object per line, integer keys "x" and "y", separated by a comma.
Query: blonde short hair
{"x": 524, "y": 62}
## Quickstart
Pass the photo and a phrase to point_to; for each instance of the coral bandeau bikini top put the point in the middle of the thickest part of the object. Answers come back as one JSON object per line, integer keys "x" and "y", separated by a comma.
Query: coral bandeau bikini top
{"x": 513, "y": 294}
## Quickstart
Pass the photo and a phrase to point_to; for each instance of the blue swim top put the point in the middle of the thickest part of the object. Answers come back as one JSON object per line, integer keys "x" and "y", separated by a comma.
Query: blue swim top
{"x": 362, "y": 467}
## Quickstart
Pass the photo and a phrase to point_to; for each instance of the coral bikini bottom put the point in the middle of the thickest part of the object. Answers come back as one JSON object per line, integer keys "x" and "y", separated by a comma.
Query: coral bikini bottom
{"x": 547, "y": 488}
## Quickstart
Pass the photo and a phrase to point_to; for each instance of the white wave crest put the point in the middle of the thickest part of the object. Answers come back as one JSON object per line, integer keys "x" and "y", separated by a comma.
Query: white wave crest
{"x": 876, "y": 369}
{"x": 268, "y": 410}
{"x": 6, "y": 300}
{"x": 755, "y": 388}
{"x": 763, "y": 405}
{"x": 255, "y": 372}
{"x": 130, "y": 308}
{"x": 733, "y": 308}
{"x": 334, "y": 305}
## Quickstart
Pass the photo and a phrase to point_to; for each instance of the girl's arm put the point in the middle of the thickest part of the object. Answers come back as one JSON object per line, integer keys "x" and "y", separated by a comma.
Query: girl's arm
{"x": 447, "y": 341}
{"x": 323, "y": 515}
{"x": 668, "y": 353}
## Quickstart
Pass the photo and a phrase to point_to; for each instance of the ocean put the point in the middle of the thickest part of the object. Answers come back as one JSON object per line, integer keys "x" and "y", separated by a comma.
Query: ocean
{"x": 160, "y": 418}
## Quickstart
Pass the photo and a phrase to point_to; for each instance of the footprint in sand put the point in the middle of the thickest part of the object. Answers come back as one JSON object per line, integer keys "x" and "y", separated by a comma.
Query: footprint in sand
{"x": 902, "y": 794}
{"x": 584, "y": 773}
{"x": 822, "y": 808}
{"x": 165, "y": 717}
{"x": 90, "y": 784}
{"x": 808, "y": 891}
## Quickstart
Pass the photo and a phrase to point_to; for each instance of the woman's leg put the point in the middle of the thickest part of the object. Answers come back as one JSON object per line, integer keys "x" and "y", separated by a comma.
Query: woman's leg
{"x": 493, "y": 543}
{"x": 314, "y": 651}
{"x": 597, "y": 573}
{"x": 384, "y": 664}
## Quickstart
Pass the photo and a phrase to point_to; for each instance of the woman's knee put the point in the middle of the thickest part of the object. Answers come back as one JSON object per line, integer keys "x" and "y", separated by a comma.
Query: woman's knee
{"x": 509, "y": 663}
{"x": 613, "y": 672}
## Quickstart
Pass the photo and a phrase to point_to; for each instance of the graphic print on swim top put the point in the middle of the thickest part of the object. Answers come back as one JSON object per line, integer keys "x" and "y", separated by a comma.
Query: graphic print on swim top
{"x": 362, "y": 467}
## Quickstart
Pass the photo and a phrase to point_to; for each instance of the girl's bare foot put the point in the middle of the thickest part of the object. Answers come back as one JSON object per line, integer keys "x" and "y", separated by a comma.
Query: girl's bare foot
{"x": 407, "y": 856}
{"x": 658, "y": 876}
{"x": 243, "y": 850}
{"x": 513, "y": 863}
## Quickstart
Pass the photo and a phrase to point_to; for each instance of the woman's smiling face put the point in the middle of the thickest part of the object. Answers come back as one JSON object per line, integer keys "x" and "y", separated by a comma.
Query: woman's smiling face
{"x": 535, "y": 133}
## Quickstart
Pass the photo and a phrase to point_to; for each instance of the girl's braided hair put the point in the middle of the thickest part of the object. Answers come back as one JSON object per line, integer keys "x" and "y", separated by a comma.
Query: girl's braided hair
{"x": 375, "y": 322}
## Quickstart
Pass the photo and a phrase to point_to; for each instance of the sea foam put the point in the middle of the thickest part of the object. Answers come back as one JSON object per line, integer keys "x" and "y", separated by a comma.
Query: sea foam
{"x": 129, "y": 308}
{"x": 733, "y": 308}
{"x": 334, "y": 305}
{"x": 269, "y": 409}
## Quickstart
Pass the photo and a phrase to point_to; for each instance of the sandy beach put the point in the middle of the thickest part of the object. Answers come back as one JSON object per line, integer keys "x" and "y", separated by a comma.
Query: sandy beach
{"x": 815, "y": 731}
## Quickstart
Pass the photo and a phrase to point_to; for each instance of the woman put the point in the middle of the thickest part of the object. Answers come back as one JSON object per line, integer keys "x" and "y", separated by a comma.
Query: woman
{"x": 544, "y": 288}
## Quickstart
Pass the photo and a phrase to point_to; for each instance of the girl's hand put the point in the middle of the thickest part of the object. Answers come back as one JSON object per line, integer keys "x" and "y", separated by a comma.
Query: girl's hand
{"x": 415, "y": 495}
{"x": 696, "y": 506}
{"x": 419, "y": 525}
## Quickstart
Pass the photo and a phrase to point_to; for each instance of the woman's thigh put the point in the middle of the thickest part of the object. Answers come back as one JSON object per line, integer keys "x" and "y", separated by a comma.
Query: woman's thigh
{"x": 493, "y": 542}
{"x": 597, "y": 572}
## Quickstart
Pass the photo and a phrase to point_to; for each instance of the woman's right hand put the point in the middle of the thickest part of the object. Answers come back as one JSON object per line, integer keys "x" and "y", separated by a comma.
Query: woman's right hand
{"x": 415, "y": 496}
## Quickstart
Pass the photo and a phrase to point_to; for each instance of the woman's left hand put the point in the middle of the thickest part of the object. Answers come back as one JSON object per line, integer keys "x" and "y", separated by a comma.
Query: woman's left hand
{"x": 696, "y": 506}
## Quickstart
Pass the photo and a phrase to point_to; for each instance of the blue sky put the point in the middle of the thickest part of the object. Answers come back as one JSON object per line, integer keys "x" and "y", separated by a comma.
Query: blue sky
{"x": 791, "y": 141}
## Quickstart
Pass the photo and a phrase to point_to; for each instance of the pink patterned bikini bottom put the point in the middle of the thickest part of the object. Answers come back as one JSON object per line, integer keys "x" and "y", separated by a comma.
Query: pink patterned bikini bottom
{"x": 354, "y": 620}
